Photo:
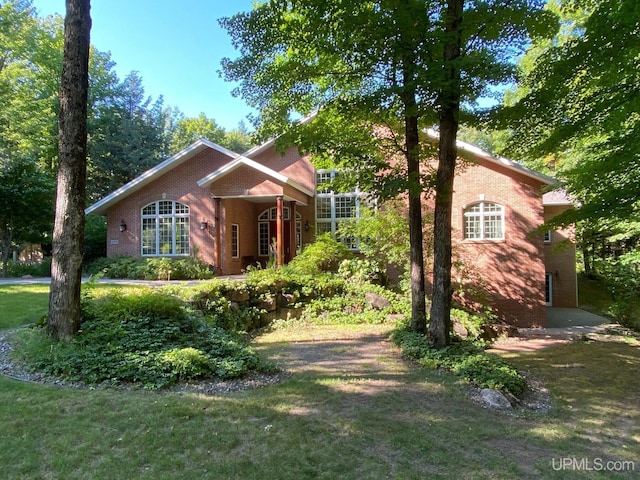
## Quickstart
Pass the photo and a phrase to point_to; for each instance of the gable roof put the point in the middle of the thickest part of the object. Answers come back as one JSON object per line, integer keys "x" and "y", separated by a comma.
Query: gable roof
{"x": 101, "y": 206}
{"x": 501, "y": 161}
{"x": 244, "y": 161}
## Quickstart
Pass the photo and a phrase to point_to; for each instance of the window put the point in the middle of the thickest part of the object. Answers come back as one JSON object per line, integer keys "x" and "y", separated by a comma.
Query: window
{"x": 547, "y": 236}
{"x": 332, "y": 207}
{"x": 165, "y": 228}
{"x": 235, "y": 245}
{"x": 484, "y": 221}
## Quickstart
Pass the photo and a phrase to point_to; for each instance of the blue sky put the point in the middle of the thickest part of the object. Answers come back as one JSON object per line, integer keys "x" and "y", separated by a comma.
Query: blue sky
{"x": 176, "y": 46}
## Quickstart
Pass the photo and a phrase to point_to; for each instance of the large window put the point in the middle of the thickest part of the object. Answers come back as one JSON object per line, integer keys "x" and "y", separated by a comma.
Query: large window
{"x": 484, "y": 221}
{"x": 333, "y": 207}
{"x": 165, "y": 229}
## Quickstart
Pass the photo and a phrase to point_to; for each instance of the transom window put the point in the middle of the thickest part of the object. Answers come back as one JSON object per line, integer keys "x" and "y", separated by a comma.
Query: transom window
{"x": 332, "y": 207}
{"x": 165, "y": 228}
{"x": 484, "y": 221}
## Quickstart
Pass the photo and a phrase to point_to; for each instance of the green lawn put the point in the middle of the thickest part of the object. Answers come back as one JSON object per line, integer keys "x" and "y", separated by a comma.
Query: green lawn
{"x": 400, "y": 423}
{"x": 22, "y": 304}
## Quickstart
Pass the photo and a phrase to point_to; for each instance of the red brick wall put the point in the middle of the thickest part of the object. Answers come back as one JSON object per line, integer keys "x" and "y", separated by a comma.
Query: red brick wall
{"x": 180, "y": 184}
{"x": 291, "y": 165}
{"x": 560, "y": 262}
{"x": 509, "y": 273}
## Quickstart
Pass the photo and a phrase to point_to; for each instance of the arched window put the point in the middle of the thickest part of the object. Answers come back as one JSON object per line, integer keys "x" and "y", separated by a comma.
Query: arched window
{"x": 165, "y": 228}
{"x": 484, "y": 221}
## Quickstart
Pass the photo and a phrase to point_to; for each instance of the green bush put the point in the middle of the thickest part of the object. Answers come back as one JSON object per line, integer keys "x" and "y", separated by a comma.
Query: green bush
{"x": 147, "y": 339}
{"x": 463, "y": 359}
{"x": 361, "y": 270}
{"x": 323, "y": 255}
{"x": 160, "y": 268}
{"x": 20, "y": 269}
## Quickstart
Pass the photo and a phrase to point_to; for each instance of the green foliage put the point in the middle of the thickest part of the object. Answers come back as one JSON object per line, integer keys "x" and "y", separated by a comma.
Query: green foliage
{"x": 621, "y": 279}
{"x": 161, "y": 268}
{"x": 578, "y": 107}
{"x": 19, "y": 269}
{"x": 323, "y": 255}
{"x": 360, "y": 270}
{"x": 383, "y": 234}
{"x": 26, "y": 196}
{"x": 463, "y": 359}
{"x": 145, "y": 339}
{"x": 473, "y": 322}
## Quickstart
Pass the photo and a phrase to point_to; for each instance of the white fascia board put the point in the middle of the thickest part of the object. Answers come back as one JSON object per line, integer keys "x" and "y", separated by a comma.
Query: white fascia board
{"x": 510, "y": 164}
{"x": 271, "y": 142}
{"x": 148, "y": 176}
{"x": 242, "y": 160}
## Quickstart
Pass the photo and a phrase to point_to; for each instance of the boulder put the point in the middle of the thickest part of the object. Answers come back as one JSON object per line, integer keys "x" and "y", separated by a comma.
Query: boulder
{"x": 268, "y": 304}
{"x": 238, "y": 296}
{"x": 495, "y": 399}
{"x": 459, "y": 329}
{"x": 377, "y": 301}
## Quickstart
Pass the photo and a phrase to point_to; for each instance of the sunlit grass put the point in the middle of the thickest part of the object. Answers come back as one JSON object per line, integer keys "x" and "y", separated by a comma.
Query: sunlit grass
{"x": 22, "y": 304}
{"x": 389, "y": 420}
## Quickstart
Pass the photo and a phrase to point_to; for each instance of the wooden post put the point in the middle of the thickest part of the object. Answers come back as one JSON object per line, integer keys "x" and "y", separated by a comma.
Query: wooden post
{"x": 293, "y": 245}
{"x": 217, "y": 238}
{"x": 279, "y": 231}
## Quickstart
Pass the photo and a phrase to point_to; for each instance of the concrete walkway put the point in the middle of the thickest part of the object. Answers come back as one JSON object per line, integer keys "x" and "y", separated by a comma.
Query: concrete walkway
{"x": 568, "y": 323}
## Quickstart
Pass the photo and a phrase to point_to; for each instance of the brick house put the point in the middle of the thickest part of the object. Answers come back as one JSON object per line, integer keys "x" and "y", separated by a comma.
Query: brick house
{"x": 234, "y": 210}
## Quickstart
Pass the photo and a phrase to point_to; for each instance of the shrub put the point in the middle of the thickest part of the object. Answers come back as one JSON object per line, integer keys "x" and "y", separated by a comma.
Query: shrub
{"x": 161, "y": 268}
{"x": 20, "y": 269}
{"x": 361, "y": 270}
{"x": 323, "y": 255}
{"x": 147, "y": 339}
{"x": 463, "y": 359}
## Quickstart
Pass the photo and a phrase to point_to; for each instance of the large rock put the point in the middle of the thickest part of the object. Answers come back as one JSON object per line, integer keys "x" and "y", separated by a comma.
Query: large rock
{"x": 377, "y": 301}
{"x": 238, "y": 296}
{"x": 495, "y": 399}
{"x": 459, "y": 329}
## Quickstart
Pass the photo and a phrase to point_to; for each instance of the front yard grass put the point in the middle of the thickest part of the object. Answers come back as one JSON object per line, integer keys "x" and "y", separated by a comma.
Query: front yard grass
{"x": 415, "y": 424}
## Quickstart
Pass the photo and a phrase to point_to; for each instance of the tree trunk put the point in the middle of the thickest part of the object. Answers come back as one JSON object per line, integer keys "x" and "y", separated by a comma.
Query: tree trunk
{"x": 6, "y": 249}
{"x": 416, "y": 252}
{"x": 68, "y": 231}
{"x": 440, "y": 317}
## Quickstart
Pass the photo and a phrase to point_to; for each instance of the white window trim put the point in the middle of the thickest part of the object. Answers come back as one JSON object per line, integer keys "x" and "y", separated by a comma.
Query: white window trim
{"x": 481, "y": 216}
{"x": 235, "y": 242}
{"x": 547, "y": 236}
{"x": 333, "y": 220}
{"x": 156, "y": 218}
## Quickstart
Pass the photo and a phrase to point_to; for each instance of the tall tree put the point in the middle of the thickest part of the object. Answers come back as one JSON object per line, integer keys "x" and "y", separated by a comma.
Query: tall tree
{"x": 26, "y": 204}
{"x": 449, "y": 100}
{"x": 377, "y": 73}
{"x": 68, "y": 233}
{"x": 578, "y": 106}
{"x": 576, "y": 112}
{"x": 188, "y": 130}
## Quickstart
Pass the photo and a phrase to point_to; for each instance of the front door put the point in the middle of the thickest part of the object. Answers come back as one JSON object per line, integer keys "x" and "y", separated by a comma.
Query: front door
{"x": 267, "y": 233}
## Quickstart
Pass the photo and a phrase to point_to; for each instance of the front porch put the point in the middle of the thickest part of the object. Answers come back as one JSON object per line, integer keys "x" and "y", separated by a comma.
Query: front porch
{"x": 259, "y": 215}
